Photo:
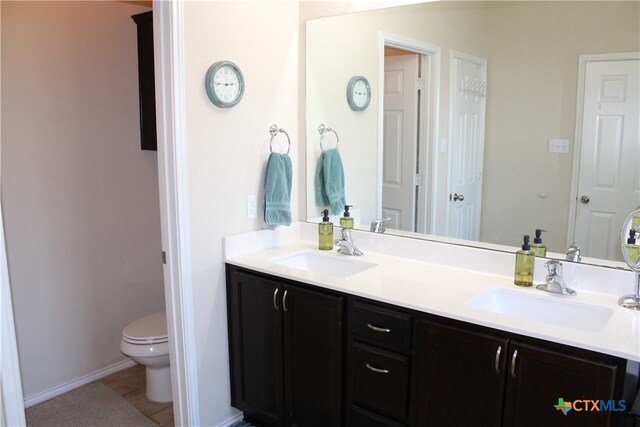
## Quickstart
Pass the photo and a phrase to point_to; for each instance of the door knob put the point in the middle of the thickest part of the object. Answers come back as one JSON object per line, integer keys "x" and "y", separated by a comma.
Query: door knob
{"x": 584, "y": 199}
{"x": 456, "y": 197}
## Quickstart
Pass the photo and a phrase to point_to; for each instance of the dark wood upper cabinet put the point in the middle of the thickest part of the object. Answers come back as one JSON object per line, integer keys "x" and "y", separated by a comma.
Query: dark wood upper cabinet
{"x": 146, "y": 81}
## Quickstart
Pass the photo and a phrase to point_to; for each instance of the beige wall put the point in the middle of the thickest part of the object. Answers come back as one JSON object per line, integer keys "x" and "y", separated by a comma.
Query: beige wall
{"x": 80, "y": 198}
{"x": 531, "y": 101}
{"x": 227, "y": 153}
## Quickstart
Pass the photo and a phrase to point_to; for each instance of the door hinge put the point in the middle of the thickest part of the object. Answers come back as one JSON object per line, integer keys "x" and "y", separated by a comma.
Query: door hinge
{"x": 164, "y": 257}
{"x": 417, "y": 179}
{"x": 419, "y": 83}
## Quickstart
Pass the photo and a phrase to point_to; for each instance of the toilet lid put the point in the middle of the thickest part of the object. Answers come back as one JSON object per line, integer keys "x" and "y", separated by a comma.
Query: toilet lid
{"x": 151, "y": 329}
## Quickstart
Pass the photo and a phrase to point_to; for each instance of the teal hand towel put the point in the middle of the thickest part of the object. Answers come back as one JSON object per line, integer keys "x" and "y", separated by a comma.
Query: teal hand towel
{"x": 330, "y": 181}
{"x": 277, "y": 190}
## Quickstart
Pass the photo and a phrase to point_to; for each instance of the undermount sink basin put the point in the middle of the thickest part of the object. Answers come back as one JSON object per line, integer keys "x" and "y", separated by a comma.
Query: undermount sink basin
{"x": 552, "y": 309}
{"x": 329, "y": 265}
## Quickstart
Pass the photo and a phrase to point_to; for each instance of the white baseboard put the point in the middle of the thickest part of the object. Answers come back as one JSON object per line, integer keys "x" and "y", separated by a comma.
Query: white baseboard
{"x": 40, "y": 397}
{"x": 229, "y": 421}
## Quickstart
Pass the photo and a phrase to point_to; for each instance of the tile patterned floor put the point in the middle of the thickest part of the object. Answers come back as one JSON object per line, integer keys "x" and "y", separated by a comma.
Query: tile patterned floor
{"x": 130, "y": 384}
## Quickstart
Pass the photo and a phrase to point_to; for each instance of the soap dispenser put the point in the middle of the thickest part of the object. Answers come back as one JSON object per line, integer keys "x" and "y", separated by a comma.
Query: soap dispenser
{"x": 346, "y": 221}
{"x": 325, "y": 232}
{"x": 537, "y": 247}
{"x": 633, "y": 250}
{"x": 525, "y": 262}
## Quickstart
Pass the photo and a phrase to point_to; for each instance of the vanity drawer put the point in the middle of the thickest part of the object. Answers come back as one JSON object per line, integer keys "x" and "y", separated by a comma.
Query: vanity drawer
{"x": 382, "y": 326}
{"x": 380, "y": 381}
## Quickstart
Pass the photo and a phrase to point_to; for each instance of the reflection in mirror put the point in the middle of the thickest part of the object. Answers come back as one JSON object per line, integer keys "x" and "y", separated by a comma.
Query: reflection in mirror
{"x": 518, "y": 115}
{"x": 631, "y": 253}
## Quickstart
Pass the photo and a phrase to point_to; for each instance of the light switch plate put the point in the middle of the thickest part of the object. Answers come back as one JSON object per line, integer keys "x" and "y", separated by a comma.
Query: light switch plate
{"x": 252, "y": 207}
{"x": 559, "y": 146}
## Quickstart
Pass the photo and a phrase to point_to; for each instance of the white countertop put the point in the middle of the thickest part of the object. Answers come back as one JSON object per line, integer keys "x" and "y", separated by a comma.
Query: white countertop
{"x": 438, "y": 288}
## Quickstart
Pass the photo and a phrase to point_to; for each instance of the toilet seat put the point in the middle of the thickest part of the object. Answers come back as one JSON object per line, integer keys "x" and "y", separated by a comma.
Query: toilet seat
{"x": 151, "y": 329}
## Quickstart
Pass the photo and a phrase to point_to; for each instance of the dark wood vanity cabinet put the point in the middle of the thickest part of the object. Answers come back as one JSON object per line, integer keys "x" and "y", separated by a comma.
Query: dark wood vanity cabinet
{"x": 308, "y": 357}
{"x": 378, "y": 365}
{"x": 474, "y": 377}
{"x": 286, "y": 351}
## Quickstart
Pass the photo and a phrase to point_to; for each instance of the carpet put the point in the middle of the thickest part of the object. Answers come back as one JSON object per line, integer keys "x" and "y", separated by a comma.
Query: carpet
{"x": 93, "y": 405}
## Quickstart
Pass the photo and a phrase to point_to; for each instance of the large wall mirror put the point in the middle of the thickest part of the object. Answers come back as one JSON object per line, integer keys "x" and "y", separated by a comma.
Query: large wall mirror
{"x": 487, "y": 120}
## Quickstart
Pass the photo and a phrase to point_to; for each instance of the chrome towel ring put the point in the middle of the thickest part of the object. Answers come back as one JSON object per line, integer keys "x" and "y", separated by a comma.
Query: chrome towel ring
{"x": 322, "y": 130}
{"x": 273, "y": 130}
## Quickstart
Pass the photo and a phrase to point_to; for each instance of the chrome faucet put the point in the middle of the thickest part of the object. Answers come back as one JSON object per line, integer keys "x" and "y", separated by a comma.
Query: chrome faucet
{"x": 377, "y": 225}
{"x": 345, "y": 243}
{"x": 573, "y": 253}
{"x": 554, "y": 281}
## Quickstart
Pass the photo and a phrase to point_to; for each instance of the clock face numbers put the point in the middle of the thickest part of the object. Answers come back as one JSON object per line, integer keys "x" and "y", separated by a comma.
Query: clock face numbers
{"x": 224, "y": 84}
{"x": 358, "y": 93}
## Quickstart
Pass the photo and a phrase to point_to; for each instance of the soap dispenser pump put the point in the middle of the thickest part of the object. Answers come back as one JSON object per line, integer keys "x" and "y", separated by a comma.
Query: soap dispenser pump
{"x": 325, "y": 232}
{"x": 525, "y": 262}
{"x": 346, "y": 221}
{"x": 632, "y": 249}
{"x": 537, "y": 247}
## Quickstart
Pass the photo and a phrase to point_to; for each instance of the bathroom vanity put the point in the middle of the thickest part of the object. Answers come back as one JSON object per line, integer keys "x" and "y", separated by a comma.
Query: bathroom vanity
{"x": 385, "y": 340}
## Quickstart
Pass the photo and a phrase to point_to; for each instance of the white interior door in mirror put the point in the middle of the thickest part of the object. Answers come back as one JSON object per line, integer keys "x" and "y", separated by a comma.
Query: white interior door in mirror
{"x": 609, "y": 174}
{"x": 467, "y": 121}
{"x": 400, "y": 140}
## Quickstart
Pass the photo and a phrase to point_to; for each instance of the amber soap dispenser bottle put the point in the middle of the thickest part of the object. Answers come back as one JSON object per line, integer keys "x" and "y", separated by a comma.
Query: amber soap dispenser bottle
{"x": 525, "y": 262}
{"x": 325, "y": 232}
{"x": 537, "y": 247}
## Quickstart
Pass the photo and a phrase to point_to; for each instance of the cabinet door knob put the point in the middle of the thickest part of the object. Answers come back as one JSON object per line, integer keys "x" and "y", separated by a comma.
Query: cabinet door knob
{"x": 513, "y": 363}
{"x": 497, "y": 361}
{"x": 275, "y": 296}
{"x": 284, "y": 301}
{"x": 377, "y": 370}
{"x": 377, "y": 328}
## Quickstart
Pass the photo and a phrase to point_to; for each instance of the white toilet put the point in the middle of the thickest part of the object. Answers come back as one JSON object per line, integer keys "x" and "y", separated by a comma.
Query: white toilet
{"x": 146, "y": 342}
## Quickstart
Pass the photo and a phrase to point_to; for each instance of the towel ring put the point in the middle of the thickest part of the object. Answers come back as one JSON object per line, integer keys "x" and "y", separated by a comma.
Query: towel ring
{"x": 273, "y": 130}
{"x": 322, "y": 130}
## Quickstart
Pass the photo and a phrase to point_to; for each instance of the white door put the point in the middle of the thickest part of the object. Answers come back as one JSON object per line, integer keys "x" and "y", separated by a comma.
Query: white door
{"x": 466, "y": 141}
{"x": 400, "y": 140}
{"x": 609, "y": 177}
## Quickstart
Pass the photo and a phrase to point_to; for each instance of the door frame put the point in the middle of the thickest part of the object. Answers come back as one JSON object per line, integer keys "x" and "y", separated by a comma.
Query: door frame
{"x": 577, "y": 142}
{"x": 429, "y": 117}
{"x": 168, "y": 38}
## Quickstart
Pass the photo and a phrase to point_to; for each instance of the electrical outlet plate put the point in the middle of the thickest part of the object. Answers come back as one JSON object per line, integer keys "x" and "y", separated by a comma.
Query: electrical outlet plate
{"x": 559, "y": 146}
{"x": 252, "y": 207}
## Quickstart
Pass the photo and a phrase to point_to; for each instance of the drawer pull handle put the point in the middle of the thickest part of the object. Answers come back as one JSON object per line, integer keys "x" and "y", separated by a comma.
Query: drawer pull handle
{"x": 497, "y": 362}
{"x": 377, "y": 370}
{"x": 284, "y": 301}
{"x": 378, "y": 329}
{"x": 513, "y": 363}
{"x": 275, "y": 304}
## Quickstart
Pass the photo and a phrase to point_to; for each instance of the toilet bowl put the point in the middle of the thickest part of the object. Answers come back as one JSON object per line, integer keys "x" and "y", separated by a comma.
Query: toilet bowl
{"x": 146, "y": 342}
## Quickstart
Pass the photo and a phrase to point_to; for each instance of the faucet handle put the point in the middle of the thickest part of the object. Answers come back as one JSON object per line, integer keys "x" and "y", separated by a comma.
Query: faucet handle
{"x": 377, "y": 225}
{"x": 345, "y": 233}
{"x": 573, "y": 253}
{"x": 554, "y": 267}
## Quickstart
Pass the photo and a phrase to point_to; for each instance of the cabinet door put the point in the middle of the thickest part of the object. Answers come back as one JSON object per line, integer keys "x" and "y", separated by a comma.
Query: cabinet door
{"x": 538, "y": 378}
{"x": 313, "y": 358}
{"x": 461, "y": 377}
{"x": 255, "y": 328}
